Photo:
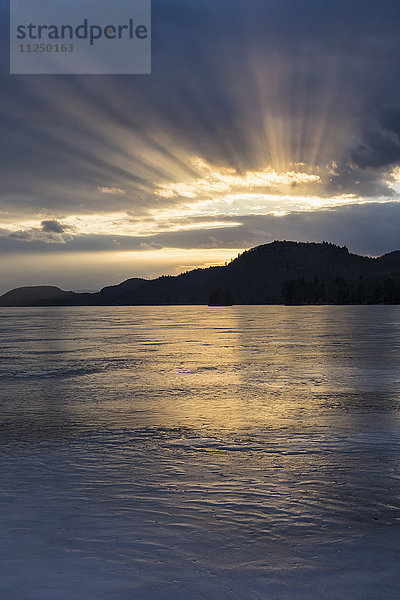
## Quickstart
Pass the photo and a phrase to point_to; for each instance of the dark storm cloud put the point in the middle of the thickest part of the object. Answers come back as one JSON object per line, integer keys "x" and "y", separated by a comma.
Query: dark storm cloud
{"x": 380, "y": 144}
{"x": 349, "y": 178}
{"x": 49, "y": 232}
{"x": 53, "y": 227}
{"x": 365, "y": 170}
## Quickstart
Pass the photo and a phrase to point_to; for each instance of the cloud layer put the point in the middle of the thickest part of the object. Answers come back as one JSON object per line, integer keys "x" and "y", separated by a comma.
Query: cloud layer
{"x": 260, "y": 121}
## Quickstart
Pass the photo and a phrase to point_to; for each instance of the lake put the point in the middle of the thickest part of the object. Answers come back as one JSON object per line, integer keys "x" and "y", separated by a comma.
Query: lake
{"x": 191, "y": 453}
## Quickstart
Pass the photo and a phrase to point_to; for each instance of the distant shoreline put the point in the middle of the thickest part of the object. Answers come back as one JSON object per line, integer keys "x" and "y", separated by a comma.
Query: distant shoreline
{"x": 280, "y": 273}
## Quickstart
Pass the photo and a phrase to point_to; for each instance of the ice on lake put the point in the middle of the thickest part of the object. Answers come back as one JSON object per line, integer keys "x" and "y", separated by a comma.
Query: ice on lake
{"x": 245, "y": 453}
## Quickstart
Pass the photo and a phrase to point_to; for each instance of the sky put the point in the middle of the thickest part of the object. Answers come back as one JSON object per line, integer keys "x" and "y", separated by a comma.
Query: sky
{"x": 261, "y": 120}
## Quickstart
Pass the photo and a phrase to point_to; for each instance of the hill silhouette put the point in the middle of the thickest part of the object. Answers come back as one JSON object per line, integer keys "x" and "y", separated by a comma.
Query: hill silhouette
{"x": 278, "y": 273}
{"x": 35, "y": 295}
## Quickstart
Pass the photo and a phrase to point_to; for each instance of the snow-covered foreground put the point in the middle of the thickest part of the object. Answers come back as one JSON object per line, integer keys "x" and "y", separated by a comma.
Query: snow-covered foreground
{"x": 192, "y": 453}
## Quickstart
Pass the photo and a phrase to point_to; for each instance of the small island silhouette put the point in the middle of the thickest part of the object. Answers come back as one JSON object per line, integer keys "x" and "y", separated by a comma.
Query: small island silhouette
{"x": 290, "y": 273}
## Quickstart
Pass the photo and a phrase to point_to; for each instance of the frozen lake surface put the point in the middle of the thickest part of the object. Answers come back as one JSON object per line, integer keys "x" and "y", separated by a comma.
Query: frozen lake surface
{"x": 190, "y": 453}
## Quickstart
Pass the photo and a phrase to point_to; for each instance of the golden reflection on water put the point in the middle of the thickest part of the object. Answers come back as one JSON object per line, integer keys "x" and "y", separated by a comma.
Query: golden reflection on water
{"x": 269, "y": 432}
{"x": 223, "y": 369}
{"x": 244, "y": 367}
